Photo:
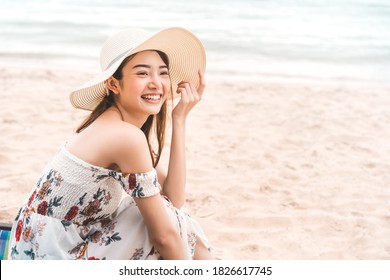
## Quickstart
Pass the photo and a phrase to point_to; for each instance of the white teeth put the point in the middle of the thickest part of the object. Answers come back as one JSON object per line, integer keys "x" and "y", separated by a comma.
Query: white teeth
{"x": 152, "y": 97}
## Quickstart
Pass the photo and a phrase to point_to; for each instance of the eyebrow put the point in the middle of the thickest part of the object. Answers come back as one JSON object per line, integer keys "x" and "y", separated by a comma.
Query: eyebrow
{"x": 148, "y": 66}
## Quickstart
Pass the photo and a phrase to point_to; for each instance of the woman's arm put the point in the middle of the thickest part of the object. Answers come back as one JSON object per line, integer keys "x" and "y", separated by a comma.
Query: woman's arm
{"x": 174, "y": 183}
{"x": 163, "y": 235}
{"x": 132, "y": 156}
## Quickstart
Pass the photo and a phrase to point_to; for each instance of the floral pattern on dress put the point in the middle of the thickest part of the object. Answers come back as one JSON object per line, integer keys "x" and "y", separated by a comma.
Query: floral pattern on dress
{"x": 110, "y": 174}
{"x": 106, "y": 236}
{"x": 154, "y": 254}
{"x": 24, "y": 230}
{"x": 142, "y": 184}
{"x": 93, "y": 222}
{"x": 53, "y": 179}
{"x": 28, "y": 235}
{"x": 79, "y": 250}
{"x": 137, "y": 254}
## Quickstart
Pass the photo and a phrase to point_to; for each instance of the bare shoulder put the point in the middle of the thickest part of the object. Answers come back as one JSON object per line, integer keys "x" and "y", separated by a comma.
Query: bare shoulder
{"x": 124, "y": 135}
{"x": 112, "y": 144}
{"x": 129, "y": 148}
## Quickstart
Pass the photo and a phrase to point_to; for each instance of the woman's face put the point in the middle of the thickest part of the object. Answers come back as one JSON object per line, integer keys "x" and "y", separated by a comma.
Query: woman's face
{"x": 145, "y": 85}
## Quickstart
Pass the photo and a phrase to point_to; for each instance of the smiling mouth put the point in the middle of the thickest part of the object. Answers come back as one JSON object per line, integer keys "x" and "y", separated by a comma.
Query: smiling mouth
{"x": 152, "y": 97}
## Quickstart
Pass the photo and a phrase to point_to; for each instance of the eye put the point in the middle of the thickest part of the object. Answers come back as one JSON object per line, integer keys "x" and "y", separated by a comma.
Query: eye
{"x": 164, "y": 73}
{"x": 142, "y": 73}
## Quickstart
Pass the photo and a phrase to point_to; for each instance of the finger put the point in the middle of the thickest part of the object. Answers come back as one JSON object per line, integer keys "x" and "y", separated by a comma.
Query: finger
{"x": 186, "y": 87}
{"x": 183, "y": 93}
{"x": 195, "y": 92}
{"x": 181, "y": 85}
{"x": 180, "y": 88}
{"x": 193, "y": 95}
{"x": 182, "y": 82}
{"x": 202, "y": 82}
{"x": 189, "y": 92}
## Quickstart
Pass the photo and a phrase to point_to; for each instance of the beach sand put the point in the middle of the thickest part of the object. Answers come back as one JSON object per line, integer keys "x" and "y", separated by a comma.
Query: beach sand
{"x": 276, "y": 170}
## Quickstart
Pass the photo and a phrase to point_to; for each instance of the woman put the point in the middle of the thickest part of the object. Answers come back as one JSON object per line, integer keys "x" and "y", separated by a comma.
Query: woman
{"x": 77, "y": 209}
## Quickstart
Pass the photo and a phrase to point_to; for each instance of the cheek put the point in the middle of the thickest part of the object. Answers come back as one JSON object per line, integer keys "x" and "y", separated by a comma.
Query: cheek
{"x": 134, "y": 87}
{"x": 167, "y": 87}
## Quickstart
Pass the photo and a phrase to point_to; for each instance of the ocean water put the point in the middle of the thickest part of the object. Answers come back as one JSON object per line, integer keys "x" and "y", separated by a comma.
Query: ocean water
{"x": 319, "y": 40}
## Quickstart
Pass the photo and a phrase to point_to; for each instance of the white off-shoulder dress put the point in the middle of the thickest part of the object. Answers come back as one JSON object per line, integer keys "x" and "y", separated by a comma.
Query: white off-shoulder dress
{"x": 78, "y": 211}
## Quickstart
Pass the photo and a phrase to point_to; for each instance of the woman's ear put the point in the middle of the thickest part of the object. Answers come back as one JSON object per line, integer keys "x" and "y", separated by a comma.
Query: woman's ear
{"x": 112, "y": 84}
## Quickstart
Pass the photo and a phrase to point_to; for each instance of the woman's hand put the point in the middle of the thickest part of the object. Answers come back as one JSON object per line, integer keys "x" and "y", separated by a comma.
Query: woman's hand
{"x": 190, "y": 96}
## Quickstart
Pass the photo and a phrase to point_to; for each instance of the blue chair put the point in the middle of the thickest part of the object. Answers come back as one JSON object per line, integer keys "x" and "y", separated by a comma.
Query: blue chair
{"x": 5, "y": 231}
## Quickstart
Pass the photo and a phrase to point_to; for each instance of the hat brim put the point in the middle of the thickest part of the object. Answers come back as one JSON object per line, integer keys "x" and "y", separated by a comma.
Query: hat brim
{"x": 186, "y": 57}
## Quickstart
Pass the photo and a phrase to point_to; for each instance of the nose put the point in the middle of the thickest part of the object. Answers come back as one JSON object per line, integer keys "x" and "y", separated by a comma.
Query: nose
{"x": 155, "y": 82}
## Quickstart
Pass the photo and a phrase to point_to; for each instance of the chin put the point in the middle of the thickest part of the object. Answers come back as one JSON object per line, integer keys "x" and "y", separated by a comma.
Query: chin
{"x": 154, "y": 111}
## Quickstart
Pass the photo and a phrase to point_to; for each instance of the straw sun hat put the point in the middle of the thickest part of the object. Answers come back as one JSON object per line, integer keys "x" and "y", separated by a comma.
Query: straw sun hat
{"x": 185, "y": 53}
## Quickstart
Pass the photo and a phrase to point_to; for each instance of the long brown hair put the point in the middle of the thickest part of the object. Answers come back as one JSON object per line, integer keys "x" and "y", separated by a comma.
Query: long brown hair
{"x": 154, "y": 125}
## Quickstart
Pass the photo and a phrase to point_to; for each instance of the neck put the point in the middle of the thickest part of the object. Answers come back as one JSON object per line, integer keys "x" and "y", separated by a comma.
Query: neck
{"x": 137, "y": 121}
